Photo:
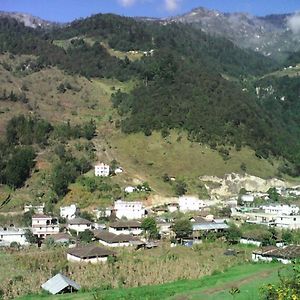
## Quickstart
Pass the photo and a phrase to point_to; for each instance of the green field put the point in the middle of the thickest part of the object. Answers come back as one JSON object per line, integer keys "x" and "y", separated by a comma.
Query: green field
{"x": 248, "y": 278}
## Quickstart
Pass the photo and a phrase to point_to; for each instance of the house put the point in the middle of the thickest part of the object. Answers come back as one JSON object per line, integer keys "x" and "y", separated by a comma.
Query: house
{"x": 259, "y": 217}
{"x": 90, "y": 253}
{"x": 10, "y": 235}
{"x": 248, "y": 198}
{"x": 38, "y": 209}
{"x": 129, "y": 189}
{"x": 284, "y": 255}
{"x": 172, "y": 207}
{"x": 287, "y": 222}
{"x": 126, "y": 227}
{"x": 43, "y": 225}
{"x": 103, "y": 212}
{"x": 118, "y": 170}
{"x": 60, "y": 284}
{"x": 165, "y": 229}
{"x": 79, "y": 224}
{"x": 69, "y": 212}
{"x": 109, "y": 239}
{"x": 129, "y": 210}
{"x": 201, "y": 226}
{"x": 102, "y": 170}
{"x": 62, "y": 238}
{"x": 190, "y": 203}
{"x": 281, "y": 209}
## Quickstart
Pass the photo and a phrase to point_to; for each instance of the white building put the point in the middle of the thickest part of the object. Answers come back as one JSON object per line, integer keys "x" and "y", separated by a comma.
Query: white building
{"x": 281, "y": 209}
{"x": 10, "y": 235}
{"x": 90, "y": 254}
{"x": 102, "y": 170}
{"x": 129, "y": 189}
{"x": 68, "y": 212}
{"x": 43, "y": 225}
{"x": 288, "y": 222}
{"x": 247, "y": 198}
{"x": 38, "y": 209}
{"x": 190, "y": 203}
{"x": 128, "y": 227}
{"x": 79, "y": 224}
{"x": 129, "y": 210}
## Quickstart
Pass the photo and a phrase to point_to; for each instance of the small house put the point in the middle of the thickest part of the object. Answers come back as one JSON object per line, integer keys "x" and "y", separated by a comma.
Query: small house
{"x": 126, "y": 227}
{"x": 43, "y": 225}
{"x": 79, "y": 224}
{"x": 10, "y": 235}
{"x": 69, "y": 212}
{"x": 90, "y": 253}
{"x": 60, "y": 284}
{"x": 129, "y": 210}
{"x": 102, "y": 170}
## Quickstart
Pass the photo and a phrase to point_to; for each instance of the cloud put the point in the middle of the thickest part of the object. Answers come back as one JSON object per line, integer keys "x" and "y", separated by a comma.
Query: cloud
{"x": 294, "y": 23}
{"x": 171, "y": 5}
{"x": 127, "y": 3}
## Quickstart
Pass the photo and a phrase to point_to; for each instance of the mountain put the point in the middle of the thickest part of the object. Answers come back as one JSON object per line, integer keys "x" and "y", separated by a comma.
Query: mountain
{"x": 28, "y": 20}
{"x": 269, "y": 35}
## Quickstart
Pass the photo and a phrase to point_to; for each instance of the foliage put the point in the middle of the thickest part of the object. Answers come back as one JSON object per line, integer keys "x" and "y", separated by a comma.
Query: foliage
{"x": 288, "y": 287}
{"x": 182, "y": 228}
{"x": 86, "y": 215}
{"x": 30, "y": 237}
{"x": 150, "y": 227}
{"x": 180, "y": 188}
{"x": 86, "y": 236}
{"x": 233, "y": 234}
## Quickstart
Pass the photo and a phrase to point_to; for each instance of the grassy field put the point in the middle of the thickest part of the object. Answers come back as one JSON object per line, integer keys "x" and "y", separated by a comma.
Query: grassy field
{"x": 248, "y": 278}
{"x": 132, "y": 269}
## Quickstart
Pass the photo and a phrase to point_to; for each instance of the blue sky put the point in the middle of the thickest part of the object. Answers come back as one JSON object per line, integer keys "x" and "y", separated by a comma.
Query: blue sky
{"x": 67, "y": 10}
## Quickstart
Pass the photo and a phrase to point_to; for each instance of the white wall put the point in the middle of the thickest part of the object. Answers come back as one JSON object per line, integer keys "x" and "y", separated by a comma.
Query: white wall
{"x": 10, "y": 236}
{"x": 68, "y": 212}
{"x": 129, "y": 210}
{"x": 95, "y": 260}
{"x": 113, "y": 245}
{"x": 250, "y": 242}
{"x": 79, "y": 227}
{"x": 102, "y": 170}
{"x": 133, "y": 231}
{"x": 289, "y": 222}
{"x": 190, "y": 203}
{"x": 259, "y": 257}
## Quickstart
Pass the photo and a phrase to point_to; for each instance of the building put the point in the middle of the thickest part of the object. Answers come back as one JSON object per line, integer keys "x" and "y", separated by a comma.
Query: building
{"x": 165, "y": 229}
{"x": 102, "y": 170}
{"x": 43, "y": 225}
{"x": 69, "y": 212}
{"x": 129, "y": 189}
{"x": 129, "y": 210}
{"x": 109, "y": 239}
{"x": 284, "y": 255}
{"x": 79, "y": 224}
{"x": 37, "y": 209}
{"x": 91, "y": 254}
{"x": 190, "y": 203}
{"x": 248, "y": 198}
{"x": 287, "y": 222}
{"x": 62, "y": 238}
{"x": 281, "y": 209}
{"x": 60, "y": 284}
{"x": 10, "y": 235}
{"x": 126, "y": 227}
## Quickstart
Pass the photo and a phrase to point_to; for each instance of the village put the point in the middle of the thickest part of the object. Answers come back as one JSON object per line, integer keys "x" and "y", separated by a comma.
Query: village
{"x": 251, "y": 218}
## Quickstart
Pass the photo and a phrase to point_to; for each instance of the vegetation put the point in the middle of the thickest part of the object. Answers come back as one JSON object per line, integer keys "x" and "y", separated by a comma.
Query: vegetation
{"x": 150, "y": 227}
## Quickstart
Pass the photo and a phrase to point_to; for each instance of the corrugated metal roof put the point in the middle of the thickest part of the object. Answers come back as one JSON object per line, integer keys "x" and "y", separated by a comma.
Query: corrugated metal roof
{"x": 210, "y": 226}
{"x": 58, "y": 283}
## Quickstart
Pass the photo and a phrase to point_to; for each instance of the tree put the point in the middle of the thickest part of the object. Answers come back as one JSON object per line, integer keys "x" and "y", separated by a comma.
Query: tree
{"x": 273, "y": 195}
{"x": 233, "y": 234}
{"x": 150, "y": 227}
{"x": 180, "y": 188}
{"x": 183, "y": 228}
{"x": 86, "y": 215}
{"x": 86, "y": 236}
{"x": 30, "y": 237}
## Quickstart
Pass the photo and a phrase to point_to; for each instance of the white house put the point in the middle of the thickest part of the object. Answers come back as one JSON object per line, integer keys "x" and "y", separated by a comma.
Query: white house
{"x": 102, "y": 170}
{"x": 90, "y": 254}
{"x": 284, "y": 255}
{"x": 110, "y": 239}
{"x": 126, "y": 227}
{"x": 79, "y": 224}
{"x": 68, "y": 212}
{"x": 281, "y": 209}
{"x": 287, "y": 222}
{"x": 10, "y": 235}
{"x": 118, "y": 170}
{"x": 129, "y": 189}
{"x": 247, "y": 198}
{"x": 43, "y": 225}
{"x": 190, "y": 203}
{"x": 38, "y": 209}
{"x": 129, "y": 210}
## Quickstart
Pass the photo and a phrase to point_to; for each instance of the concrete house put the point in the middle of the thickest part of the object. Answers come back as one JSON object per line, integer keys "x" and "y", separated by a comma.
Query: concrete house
{"x": 126, "y": 227}
{"x": 190, "y": 203}
{"x": 90, "y": 254}
{"x": 287, "y": 222}
{"x": 79, "y": 224}
{"x": 109, "y": 239}
{"x": 284, "y": 255}
{"x": 43, "y": 225}
{"x": 38, "y": 209}
{"x": 60, "y": 284}
{"x": 69, "y": 212}
{"x": 10, "y": 235}
{"x": 281, "y": 209}
{"x": 129, "y": 210}
{"x": 102, "y": 170}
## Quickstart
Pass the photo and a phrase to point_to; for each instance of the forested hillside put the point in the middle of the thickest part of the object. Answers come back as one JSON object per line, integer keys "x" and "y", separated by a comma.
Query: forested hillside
{"x": 185, "y": 79}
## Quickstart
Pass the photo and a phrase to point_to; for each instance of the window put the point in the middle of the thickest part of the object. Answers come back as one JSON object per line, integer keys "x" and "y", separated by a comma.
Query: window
{"x": 295, "y": 219}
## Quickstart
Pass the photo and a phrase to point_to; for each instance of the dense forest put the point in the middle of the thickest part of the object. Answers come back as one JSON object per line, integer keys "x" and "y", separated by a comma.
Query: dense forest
{"x": 190, "y": 80}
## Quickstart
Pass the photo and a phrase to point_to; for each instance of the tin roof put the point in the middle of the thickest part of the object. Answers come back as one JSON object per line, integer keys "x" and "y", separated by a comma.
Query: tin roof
{"x": 58, "y": 283}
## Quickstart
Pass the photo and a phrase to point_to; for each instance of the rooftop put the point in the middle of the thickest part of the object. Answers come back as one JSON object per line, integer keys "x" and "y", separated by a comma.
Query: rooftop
{"x": 288, "y": 252}
{"x": 90, "y": 251}
{"x": 79, "y": 221}
{"x": 125, "y": 224}
{"x": 109, "y": 237}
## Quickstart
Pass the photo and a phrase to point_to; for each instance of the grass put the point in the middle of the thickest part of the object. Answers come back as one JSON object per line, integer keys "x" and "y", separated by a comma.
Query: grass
{"x": 248, "y": 278}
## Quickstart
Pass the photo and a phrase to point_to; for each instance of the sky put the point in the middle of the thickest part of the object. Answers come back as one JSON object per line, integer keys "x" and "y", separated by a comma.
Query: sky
{"x": 68, "y": 10}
